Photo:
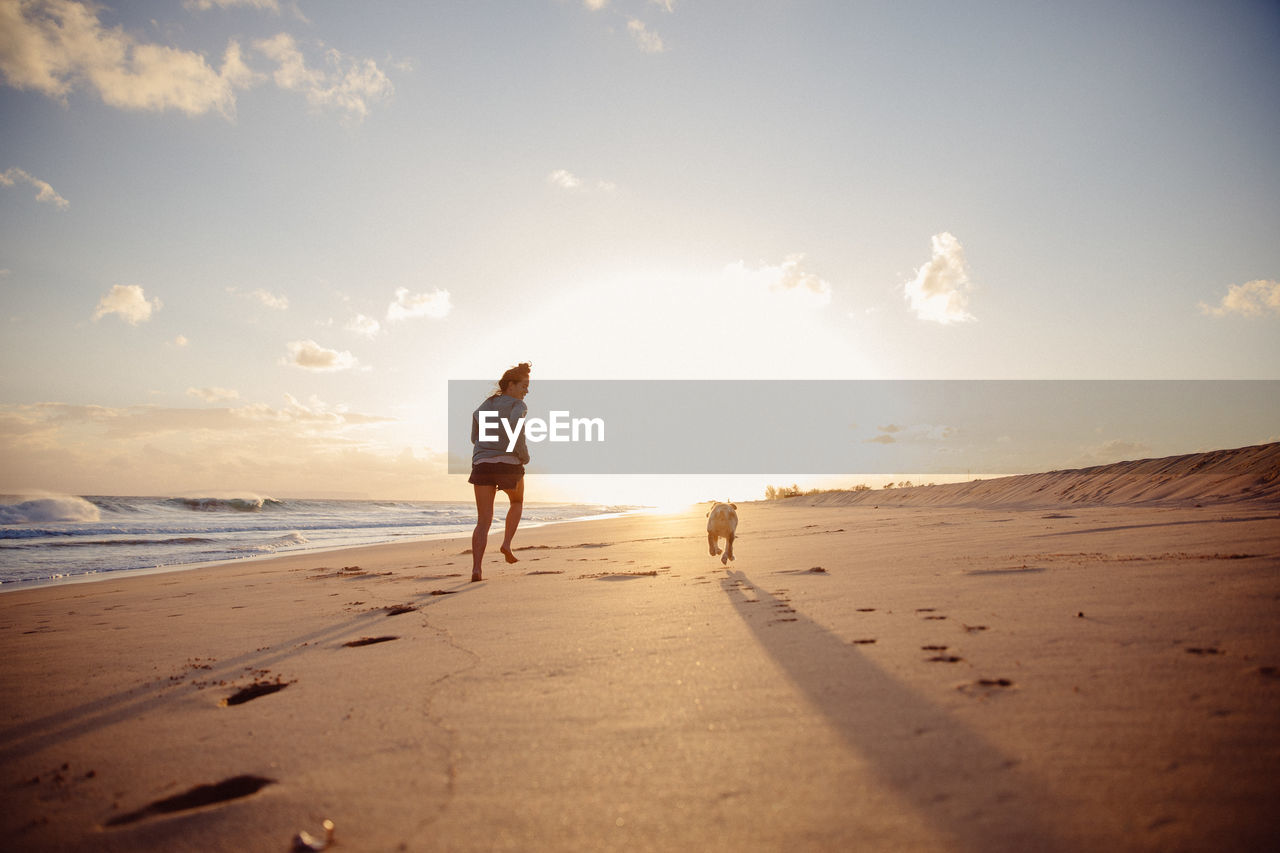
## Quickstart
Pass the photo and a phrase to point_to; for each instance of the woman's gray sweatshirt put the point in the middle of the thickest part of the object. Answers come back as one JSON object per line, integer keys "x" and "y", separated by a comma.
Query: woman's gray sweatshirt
{"x": 510, "y": 410}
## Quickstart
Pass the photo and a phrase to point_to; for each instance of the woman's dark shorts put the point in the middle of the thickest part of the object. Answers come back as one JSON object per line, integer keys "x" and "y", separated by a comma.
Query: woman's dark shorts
{"x": 504, "y": 475}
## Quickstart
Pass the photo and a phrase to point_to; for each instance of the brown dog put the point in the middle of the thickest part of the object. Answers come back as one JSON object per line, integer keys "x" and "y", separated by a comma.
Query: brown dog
{"x": 722, "y": 520}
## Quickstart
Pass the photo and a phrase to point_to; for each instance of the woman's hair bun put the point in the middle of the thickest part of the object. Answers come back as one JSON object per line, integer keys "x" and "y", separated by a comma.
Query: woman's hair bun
{"x": 514, "y": 374}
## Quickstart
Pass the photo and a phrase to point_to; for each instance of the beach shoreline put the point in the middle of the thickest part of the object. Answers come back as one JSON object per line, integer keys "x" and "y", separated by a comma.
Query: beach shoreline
{"x": 394, "y": 534}
{"x": 924, "y": 678}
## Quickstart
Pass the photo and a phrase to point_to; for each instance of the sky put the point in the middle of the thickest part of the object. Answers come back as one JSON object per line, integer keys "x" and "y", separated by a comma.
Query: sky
{"x": 245, "y": 244}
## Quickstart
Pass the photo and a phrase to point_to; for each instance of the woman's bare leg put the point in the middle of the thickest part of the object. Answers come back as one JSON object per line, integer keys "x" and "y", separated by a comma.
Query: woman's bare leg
{"x": 516, "y": 496}
{"x": 484, "y": 518}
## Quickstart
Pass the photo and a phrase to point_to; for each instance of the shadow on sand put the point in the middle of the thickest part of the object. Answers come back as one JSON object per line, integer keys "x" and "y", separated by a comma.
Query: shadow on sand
{"x": 968, "y": 791}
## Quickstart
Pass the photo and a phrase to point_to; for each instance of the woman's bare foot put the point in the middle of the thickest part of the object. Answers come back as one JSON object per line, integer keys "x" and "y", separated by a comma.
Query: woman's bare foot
{"x": 476, "y": 577}
{"x": 506, "y": 552}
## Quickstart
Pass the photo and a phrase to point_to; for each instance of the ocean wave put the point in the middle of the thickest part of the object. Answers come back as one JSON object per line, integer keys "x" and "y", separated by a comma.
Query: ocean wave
{"x": 248, "y": 503}
{"x": 116, "y": 505}
{"x": 289, "y": 540}
{"x": 45, "y": 510}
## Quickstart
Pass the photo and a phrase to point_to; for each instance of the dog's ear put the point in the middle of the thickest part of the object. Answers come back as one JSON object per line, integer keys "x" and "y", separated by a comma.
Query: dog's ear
{"x": 733, "y": 506}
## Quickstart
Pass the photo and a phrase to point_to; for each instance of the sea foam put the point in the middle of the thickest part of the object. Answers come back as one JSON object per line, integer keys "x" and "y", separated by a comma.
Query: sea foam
{"x": 43, "y": 510}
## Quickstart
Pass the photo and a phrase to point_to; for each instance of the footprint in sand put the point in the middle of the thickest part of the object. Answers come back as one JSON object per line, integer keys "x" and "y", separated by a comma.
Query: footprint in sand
{"x": 344, "y": 572}
{"x": 614, "y": 576}
{"x": 254, "y": 691}
{"x": 985, "y": 687}
{"x": 944, "y": 659}
{"x": 368, "y": 641}
{"x": 61, "y": 777}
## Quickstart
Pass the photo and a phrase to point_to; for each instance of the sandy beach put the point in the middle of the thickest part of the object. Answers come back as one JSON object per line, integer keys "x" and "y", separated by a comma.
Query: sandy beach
{"x": 1094, "y": 670}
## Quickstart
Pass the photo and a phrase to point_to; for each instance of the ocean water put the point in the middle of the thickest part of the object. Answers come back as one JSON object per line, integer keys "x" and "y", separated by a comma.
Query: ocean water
{"x": 55, "y": 538}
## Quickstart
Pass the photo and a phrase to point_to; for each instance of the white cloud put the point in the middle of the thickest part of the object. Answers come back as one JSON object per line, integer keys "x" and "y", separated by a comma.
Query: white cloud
{"x": 913, "y": 433}
{"x": 435, "y": 304}
{"x": 564, "y": 179}
{"x": 786, "y": 278}
{"x": 235, "y": 71}
{"x": 44, "y": 192}
{"x": 213, "y": 394}
{"x": 57, "y": 46}
{"x": 362, "y": 325}
{"x": 1252, "y": 299}
{"x": 275, "y": 301}
{"x": 54, "y": 46}
{"x": 647, "y": 40}
{"x": 1114, "y": 450}
{"x": 309, "y": 355}
{"x": 346, "y": 84}
{"x": 940, "y": 290}
{"x": 181, "y": 341}
{"x": 129, "y": 302}
{"x": 793, "y": 278}
{"x": 205, "y": 5}
{"x": 315, "y": 412}
{"x": 272, "y": 300}
{"x": 668, "y": 5}
{"x": 595, "y": 5}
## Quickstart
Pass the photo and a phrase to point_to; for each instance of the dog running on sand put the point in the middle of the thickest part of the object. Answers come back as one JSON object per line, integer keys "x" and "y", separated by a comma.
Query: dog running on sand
{"x": 722, "y": 521}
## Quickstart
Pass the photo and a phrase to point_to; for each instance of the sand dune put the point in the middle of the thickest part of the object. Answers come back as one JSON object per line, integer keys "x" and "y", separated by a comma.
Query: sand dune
{"x": 1223, "y": 476}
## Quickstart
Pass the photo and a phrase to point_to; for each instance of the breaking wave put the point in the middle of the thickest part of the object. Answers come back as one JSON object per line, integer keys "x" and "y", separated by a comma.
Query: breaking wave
{"x": 249, "y": 503}
{"x": 46, "y": 510}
